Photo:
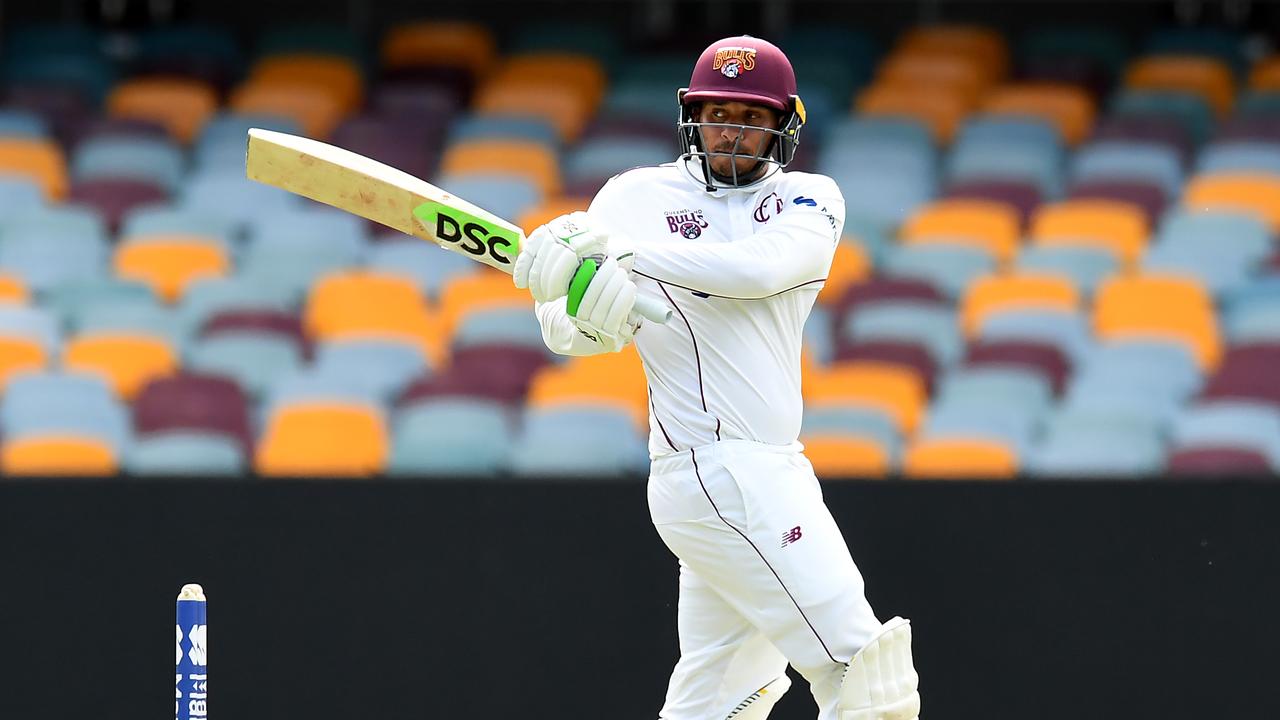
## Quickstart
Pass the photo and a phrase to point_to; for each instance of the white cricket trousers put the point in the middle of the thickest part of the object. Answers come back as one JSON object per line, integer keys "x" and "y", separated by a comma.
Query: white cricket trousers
{"x": 765, "y": 577}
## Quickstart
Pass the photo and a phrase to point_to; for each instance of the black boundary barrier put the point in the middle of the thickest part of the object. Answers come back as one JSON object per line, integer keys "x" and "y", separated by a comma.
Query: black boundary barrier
{"x": 441, "y": 599}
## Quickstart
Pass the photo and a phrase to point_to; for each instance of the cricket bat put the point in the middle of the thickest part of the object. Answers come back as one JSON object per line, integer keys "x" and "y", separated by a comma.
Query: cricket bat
{"x": 365, "y": 187}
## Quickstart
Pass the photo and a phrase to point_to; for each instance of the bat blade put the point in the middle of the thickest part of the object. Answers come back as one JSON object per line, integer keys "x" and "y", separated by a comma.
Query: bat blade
{"x": 365, "y": 187}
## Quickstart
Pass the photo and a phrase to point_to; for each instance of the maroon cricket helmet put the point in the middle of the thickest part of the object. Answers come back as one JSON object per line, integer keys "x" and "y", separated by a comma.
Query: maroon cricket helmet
{"x": 750, "y": 70}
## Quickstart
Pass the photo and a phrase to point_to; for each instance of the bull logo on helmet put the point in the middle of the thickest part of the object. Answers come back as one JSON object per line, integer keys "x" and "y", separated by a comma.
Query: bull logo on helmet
{"x": 733, "y": 61}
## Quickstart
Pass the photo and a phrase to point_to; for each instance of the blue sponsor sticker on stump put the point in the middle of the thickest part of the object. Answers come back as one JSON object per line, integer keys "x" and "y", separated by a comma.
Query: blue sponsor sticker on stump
{"x": 192, "y": 676}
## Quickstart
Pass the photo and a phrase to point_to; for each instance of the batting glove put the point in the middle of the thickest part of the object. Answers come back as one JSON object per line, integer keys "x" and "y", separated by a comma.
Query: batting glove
{"x": 552, "y": 253}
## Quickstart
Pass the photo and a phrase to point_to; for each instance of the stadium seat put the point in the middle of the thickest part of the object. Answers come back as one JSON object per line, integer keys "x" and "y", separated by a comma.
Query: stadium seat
{"x": 1247, "y": 374}
{"x": 912, "y": 355}
{"x": 316, "y": 111}
{"x": 516, "y": 326}
{"x": 170, "y": 220}
{"x": 22, "y": 124}
{"x": 472, "y": 128}
{"x": 1133, "y": 161}
{"x": 996, "y": 293}
{"x": 127, "y": 360}
{"x": 361, "y": 304}
{"x": 1146, "y": 195}
{"x": 209, "y": 296}
{"x": 948, "y": 267}
{"x": 606, "y": 158}
{"x": 56, "y": 454}
{"x": 528, "y": 160}
{"x": 470, "y": 46}
{"x": 1084, "y": 267}
{"x": 552, "y": 441}
{"x": 499, "y": 373}
{"x": 846, "y": 456}
{"x": 562, "y": 106}
{"x": 254, "y": 360}
{"x": 894, "y": 390}
{"x": 1069, "y": 332}
{"x": 1094, "y": 444}
{"x": 452, "y": 437}
{"x": 941, "y": 111}
{"x": 991, "y": 226}
{"x": 478, "y": 292}
{"x": 207, "y": 405}
{"x": 323, "y": 439}
{"x": 114, "y": 198}
{"x": 383, "y": 368}
{"x": 1240, "y": 156}
{"x": 946, "y": 458}
{"x": 1147, "y": 129}
{"x": 233, "y": 197}
{"x": 1069, "y": 108}
{"x": 503, "y": 194}
{"x": 28, "y": 338}
{"x": 126, "y": 313}
{"x": 849, "y": 265}
{"x": 928, "y": 72}
{"x": 1255, "y": 193}
{"x": 1118, "y": 227}
{"x": 864, "y": 422}
{"x": 1008, "y": 425}
{"x": 171, "y": 454}
{"x": 1191, "y": 111}
{"x": 1232, "y": 424}
{"x": 38, "y": 159}
{"x": 19, "y": 191}
{"x": 563, "y": 67}
{"x": 612, "y": 381}
{"x": 63, "y": 403}
{"x": 932, "y": 326}
{"x": 1265, "y": 74}
{"x": 181, "y": 105}
{"x": 1021, "y": 196}
{"x": 169, "y": 264}
{"x": 1159, "y": 307}
{"x": 1201, "y": 461}
{"x": 339, "y": 77}
{"x": 1206, "y": 77}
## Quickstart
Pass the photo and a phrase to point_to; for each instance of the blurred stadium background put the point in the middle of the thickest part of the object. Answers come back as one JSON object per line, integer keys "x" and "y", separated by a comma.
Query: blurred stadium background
{"x": 1059, "y": 263}
{"x": 1059, "y": 256}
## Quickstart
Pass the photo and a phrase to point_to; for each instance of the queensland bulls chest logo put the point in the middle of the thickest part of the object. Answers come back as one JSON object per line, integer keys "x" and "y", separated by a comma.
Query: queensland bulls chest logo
{"x": 689, "y": 223}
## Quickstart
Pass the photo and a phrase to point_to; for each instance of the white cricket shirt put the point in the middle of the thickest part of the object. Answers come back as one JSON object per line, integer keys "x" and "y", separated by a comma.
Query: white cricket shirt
{"x": 741, "y": 269}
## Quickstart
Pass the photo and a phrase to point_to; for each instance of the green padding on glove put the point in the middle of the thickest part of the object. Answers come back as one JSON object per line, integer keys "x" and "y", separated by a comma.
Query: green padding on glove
{"x": 578, "y": 285}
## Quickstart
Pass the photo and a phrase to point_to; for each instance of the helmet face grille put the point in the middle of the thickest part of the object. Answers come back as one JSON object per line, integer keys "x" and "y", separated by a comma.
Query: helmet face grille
{"x": 776, "y": 154}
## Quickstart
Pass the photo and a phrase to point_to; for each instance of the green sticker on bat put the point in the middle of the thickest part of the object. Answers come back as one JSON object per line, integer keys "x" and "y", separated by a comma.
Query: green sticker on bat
{"x": 472, "y": 235}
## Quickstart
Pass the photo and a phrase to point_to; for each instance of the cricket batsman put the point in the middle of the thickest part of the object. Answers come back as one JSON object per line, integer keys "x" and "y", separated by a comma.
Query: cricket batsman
{"x": 739, "y": 249}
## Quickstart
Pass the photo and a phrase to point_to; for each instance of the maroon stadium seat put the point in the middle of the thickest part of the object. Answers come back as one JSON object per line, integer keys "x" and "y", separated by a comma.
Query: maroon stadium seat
{"x": 419, "y": 92}
{"x": 1248, "y": 372}
{"x": 113, "y": 198}
{"x": 194, "y": 402}
{"x": 1264, "y": 129}
{"x": 1023, "y": 196}
{"x": 1149, "y": 196}
{"x": 1217, "y": 461}
{"x": 408, "y": 145}
{"x": 499, "y": 372}
{"x": 1044, "y": 358}
{"x": 912, "y": 355}
{"x": 271, "y": 322}
{"x": 1147, "y": 128}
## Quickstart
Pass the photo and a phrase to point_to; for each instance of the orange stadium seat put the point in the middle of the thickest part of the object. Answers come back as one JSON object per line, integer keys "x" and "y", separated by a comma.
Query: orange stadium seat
{"x": 1255, "y": 193}
{"x": 316, "y": 111}
{"x": 892, "y": 389}
{"x": 611, "y": 379}
{"x": 850, "y": 265}
{"x": 47, "y": 455}
{"x": 20, "y": 354}
{"x": 940, "y": 110}
{"x": 846, "y": 456}
{"x": 1266, "y": 74}
{"x": 13, "y": 290}
{"x": 169, "y": 264}
{"x": 335, "y": 75}
{"x": 41, "y": 160}
{"x": 994, "y": 293}
{"x": 1068, "y": 107}
{"x": 959, "y": 40}
{"x": 549, "y": 210}
{"x": 182, "y": 106}
{"x": 524, "y": 158}
{"x": 1204, "y": 76}
{"x": 939, "y": 458}
{"x": 1110, "y": 224}
{"x": 128, "y": 361}
{"x": 929, "y": 72}
{"x": 993, "y": 226}
{"x": 1163, "y": 307}
{"x": 323, "y": 439}
{"x": 583, "y": 73}
{"x": 449, "y": 43}
{"x": 363, "y": 304}
{"x": 485, "y": 289}
{"x": 560, "y": 105}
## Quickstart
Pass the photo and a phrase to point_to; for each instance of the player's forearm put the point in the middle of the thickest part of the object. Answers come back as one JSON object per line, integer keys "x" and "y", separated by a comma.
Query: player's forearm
{"x": 760, "y": 266}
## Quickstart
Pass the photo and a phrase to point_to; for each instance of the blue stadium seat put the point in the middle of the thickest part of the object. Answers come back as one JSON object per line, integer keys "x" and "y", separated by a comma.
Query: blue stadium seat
{"x": 129, "y": 315}
{"x": 1218, "y": 271}
{"x": 1129, "y": 160}
{"x": 1086, "y": 267}
{"x": 1162, "y": 368}
{"x": 80, "y": 403}
{"x": 884, "y": 195}
{"x": 819, "y": 339}
{"x": 429, "y": 266}
{"x": 506, "y": 326}
{"x": 929, "y": 325}
{"x": 1253, "y": 320}
{"x": 872, "y": 130}
{"x": 605, "y": 157}
{"x": 551, "y": 444}
{"x": 503, "y": 195}
{"x": 310, "y": 384}
{"x": 53, "y": 220}
{"x": 507, "y": 127}
{"x": 1191, "y": 111}
{"x": 853, "y": 421}
{"x": 234, "y": 196}
{"x": 72, "y": 300}
{"x": 190, "y": 453}
{"x": 1236, "y": 235}
{"x": 45, "y": 260}
{"x": 1240, "y": 156}
{"x": 209, "y": 296}
{"x": 221, "y": 143}
{"x": 1015, "y": 158}
{"x": 451, "y": 436}
{"x": 1069, "y": 332}
{"x": 1086, "y": 444}
{"x": 154, "y": 160}
{"x": 166, "y": 219}
{"x": 15, "y": 123}
{"x": 381, "y": 368}
{"x": 949, "y": 268}
{"x": 19, "y": 192}
{"x": 320, "y": 228}
{"x": 254, "y": 360}
{"x": 1231, "y": 424}
{"x": 996, "y": 385}
{"x": 1007, "y": 424}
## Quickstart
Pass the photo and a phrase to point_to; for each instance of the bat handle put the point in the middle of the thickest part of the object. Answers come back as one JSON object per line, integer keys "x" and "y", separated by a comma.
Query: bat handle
{"x": 652, "y": 310}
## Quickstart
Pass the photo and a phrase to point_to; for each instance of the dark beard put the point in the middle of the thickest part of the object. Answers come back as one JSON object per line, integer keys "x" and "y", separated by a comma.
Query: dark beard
{"x": 748, "y": 177}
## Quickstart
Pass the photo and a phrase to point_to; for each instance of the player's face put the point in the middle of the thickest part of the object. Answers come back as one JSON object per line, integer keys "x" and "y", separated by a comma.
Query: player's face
{"x": 750, "y": 143}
